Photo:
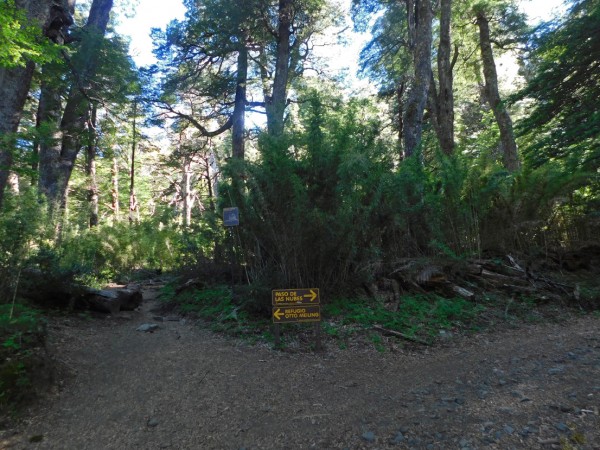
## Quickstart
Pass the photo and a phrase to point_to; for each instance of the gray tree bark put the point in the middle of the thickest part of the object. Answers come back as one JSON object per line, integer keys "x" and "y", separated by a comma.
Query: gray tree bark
{"x": 53, "y": 17}
{"x": 417, "y": 98}
{"x": 58, "y": 159}
{"x": 276, "y": 103}
{"x": 239, "y": 110}
{"x": 49, "y": 114}
{"x": 510, "y": 156}
{"x": 91, "y": 168}
{"x": 133, "y": 204}
{"x": 114, "y": 192}
{"x": 186, "y": 189}
{"x": 445, "y": 95}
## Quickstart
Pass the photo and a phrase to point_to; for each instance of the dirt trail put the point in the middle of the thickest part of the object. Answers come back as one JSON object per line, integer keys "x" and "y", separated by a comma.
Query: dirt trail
{"x": 182, "y": 387}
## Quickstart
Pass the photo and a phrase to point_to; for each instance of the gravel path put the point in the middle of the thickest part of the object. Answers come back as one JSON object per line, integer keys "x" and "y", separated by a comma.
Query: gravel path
{"x": 182, "y": 387}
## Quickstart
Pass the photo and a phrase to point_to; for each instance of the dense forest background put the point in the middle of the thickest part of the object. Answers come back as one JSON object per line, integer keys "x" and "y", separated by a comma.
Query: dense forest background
{"x": 107, "y": 169}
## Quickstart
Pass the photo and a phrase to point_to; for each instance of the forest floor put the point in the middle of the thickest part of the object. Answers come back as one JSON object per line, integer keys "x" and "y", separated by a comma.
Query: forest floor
{"x": 533, "y": 386}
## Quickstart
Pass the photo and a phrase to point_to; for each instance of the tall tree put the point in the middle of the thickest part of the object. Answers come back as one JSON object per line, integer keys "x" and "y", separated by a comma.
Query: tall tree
{"x": 510, "y": 155}
{"x": 401, "y": 50}
{"x": 386, "y": 59}
{"x": 283, "y": 57}
{"x": 220, "y": 52}
{"x": 208, "y": 67}
{"x": 133, "y": 203}
{"x": 276, "y": 101}
{"x": 57, "y": 158}
{"x": 52, "y": 18}
{"x": 443, "y": 94}
{"x": 91, "y": 166}
{"x": 420, "y": 18}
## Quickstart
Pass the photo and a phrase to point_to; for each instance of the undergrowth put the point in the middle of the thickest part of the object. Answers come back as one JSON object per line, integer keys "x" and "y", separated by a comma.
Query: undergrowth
{"x": 22, "y": 334}
{"x": 421, "y": 315}
{"x": 418, "y": 315}
{"x": 216, "y": 306}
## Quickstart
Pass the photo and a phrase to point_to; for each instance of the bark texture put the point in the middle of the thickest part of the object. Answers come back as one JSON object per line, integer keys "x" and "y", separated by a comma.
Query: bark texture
{"x": 49, "y": 114}
{"x": 239, "y": 110}
{"x": 53, "y": 17}
{"x": 58, "y": 158}
{"x": 417, "y": 98}
{"x": 114, "y": 192}
{"x": 133, "y": 204}
{"x": 91, "y": 169}
{"x": 187, "y": 192}
{"x": 276, "y": 103}
{"x": 14, "y": 85}
{"x": 510, "y": 156}
{"x": 445, "y": 95}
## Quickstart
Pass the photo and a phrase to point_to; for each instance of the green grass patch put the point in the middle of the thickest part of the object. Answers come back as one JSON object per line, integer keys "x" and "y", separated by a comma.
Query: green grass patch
{"x": 216, "y": 306}
{"x": 421, "y": 315}
{"x": 18, "y": 331}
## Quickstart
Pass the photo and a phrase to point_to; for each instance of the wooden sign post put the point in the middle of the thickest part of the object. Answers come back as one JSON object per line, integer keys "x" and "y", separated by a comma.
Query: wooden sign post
{"x": 297, "y": 306}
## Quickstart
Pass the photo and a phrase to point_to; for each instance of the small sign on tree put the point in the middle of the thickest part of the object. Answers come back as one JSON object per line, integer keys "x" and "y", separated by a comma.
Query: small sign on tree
{"x": 231, "y": 217}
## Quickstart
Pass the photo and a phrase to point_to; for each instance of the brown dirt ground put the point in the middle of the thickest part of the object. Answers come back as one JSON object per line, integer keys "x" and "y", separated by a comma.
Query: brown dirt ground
{"x": 183, "y": 387}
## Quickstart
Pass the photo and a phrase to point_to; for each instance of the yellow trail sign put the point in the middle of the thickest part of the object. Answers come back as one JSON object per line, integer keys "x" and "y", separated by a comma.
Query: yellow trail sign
{"x": 304, "y": 313}
{"x": 291, "y": 297}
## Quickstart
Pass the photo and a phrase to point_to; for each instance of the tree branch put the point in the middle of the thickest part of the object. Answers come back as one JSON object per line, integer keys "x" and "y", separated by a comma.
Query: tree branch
{"x": 203, "y": 130}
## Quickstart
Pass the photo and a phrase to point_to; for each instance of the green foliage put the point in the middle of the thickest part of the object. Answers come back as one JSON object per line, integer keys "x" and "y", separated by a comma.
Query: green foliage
{"x": 564, "y": 123}
{"x": 22, "y": 329}
{"x": 415, "y": 316}
{"x": 16, "y": 330}
{"x": 532, "y": 207}
{"x": 215, "y": 305}
{"x": 309, "y": 202}
{"x": 104, "y": 253}
{"x": 330, "y": 206}
{"x": 22, "y": 229}
{"x": 21, "y": 40}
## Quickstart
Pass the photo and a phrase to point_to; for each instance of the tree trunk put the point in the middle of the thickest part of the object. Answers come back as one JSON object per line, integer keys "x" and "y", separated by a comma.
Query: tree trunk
{"x": 510, "y": 156}
{"x": 239, "y": 110}
{"x": 417, "y": 99}
{"x": 14, "y": 85}
{"x": 277, "y": 102}
{"x": 186, "y": 190}
{"x": 53, "y": 18}
{"x": 212, "y": 172}
{"x": 115, "y": 190}
{"x": 400, "y": 99}
{"x": 445, "y": 95}
{"x": 49, "y": 115}
{"x": 112, "y": 301}
{"x": 91, "y": 168}
{"x": 13, "y": 183}
{"x": 133, "y": 205}
{"x": 62, "y": 154}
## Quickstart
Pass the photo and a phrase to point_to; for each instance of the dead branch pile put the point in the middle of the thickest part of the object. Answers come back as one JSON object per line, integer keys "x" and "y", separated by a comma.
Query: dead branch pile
{"x": 476, "y": 278}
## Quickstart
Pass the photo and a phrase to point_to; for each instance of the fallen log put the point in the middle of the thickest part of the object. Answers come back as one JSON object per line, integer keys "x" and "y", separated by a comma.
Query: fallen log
{"x": 465, "y": 293}
{"x": 104, "y": 301}
{"x": 130, "y": 298}
{"x": 194, "y": 283}
{"x": 113, "y": 300}
{"x": 385, "y": 331}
